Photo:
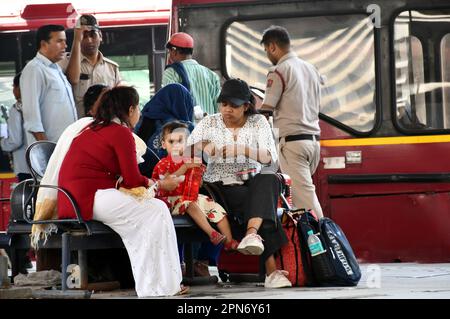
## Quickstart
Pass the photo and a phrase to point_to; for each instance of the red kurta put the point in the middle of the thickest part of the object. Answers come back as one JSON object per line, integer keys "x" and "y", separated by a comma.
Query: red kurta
{"x": 94, "y": 161}
{"x": 164, "y": 166}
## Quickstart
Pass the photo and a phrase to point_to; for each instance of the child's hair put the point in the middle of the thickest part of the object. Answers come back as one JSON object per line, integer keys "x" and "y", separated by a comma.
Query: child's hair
{"x": 172, "y": 126}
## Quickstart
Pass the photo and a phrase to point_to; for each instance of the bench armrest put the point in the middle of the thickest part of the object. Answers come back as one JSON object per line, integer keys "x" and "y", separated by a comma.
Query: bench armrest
{"x": 31, "y": 198}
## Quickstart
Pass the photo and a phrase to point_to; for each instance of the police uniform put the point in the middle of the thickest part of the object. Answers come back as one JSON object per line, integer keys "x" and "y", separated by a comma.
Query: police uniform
{"x": 105, "y": 72}
{"x": 293, "y": 91}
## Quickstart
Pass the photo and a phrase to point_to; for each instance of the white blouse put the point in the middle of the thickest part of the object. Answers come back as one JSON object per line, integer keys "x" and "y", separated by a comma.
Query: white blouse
{"x": 256, "y": 133}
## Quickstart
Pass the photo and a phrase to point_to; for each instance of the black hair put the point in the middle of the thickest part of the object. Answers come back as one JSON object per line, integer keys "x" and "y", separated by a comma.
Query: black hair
{"x": 184, "y": 51}
{"x": 276, "y": 34}
{"x": 43, "y": 33}
{"x": 251, "y": 106}
{"x": 115, "y": 103}
{"x": 170, "y": 127}
{"x": 16, "y": 80}
{"x": 91, "y": 96}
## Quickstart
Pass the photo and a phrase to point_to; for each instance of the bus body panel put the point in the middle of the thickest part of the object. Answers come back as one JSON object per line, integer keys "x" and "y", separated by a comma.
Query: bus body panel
{"x": 395, "y": 204}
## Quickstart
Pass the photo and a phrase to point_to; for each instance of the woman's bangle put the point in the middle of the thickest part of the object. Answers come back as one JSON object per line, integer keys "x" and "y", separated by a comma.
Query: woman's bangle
{"x": 154, "y": 181}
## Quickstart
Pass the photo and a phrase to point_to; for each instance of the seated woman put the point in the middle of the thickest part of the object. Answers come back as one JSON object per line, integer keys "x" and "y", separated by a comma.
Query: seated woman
{"x": 238, "y": 139}
{"x": 102, "y": 156}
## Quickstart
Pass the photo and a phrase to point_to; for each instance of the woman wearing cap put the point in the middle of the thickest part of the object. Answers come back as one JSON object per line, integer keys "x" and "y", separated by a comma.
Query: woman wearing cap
{"x": 235, "y": 140}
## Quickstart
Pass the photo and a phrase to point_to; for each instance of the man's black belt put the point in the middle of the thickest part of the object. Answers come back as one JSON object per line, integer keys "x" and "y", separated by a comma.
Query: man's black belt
{"x": 298, "y": 137}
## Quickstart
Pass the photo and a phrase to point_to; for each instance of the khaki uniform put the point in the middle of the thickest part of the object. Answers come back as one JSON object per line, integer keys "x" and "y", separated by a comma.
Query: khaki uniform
{"x": 105, "y": 72}
{"x": 293, "y": 91}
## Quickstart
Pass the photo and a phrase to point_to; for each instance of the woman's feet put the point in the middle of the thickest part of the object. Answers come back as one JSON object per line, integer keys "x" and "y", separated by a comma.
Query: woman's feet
{"x": 183, "y": 290}
{"x": 251, "y": 245}
{"x": 277, "y": 279}
{"x": 217, "y": 238}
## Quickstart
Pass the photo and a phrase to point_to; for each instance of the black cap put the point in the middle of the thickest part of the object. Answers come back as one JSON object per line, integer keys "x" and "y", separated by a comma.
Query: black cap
{"x": 235, "y": 91}
{"x": 89, "y": 20}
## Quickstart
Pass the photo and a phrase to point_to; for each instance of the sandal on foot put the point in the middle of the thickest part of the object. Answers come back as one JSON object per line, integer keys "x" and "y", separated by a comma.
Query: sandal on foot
{"x": 217, "y": 238}
{"x": 183, "y": 290}
{"x": 231, "y": 246}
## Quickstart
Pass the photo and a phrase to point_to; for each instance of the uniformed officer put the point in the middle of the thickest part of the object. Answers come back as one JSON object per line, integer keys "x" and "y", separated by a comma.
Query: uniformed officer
{"x": 86, "y": 65}
{"x": 293, "y": 93}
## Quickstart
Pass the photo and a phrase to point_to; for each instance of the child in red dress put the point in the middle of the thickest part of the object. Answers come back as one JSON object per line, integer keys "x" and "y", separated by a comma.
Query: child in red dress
{"x": 204, "y": 209}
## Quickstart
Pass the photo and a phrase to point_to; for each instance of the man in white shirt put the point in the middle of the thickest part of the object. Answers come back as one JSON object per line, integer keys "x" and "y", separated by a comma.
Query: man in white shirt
{"x": 47, "y": 100}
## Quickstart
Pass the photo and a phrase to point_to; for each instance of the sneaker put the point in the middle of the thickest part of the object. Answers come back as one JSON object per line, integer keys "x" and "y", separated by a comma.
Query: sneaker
{"x": 277, "y": 279}
{"x": 251, "y": 245}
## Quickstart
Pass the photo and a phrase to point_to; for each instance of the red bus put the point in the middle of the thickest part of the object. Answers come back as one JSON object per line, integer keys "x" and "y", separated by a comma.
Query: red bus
{"x": 385, "y": 116}
{"x": 134, "y": 36}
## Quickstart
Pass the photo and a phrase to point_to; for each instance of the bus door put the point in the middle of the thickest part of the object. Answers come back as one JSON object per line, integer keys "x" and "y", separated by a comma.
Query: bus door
{"x": 384, "y": 176}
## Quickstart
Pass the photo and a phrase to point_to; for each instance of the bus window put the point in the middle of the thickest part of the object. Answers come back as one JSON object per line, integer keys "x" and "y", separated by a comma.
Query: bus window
{"x": 8, "y": 56}
{"x": 420, "y": 81}
{"x": 341, "y": 47}
{"x": 411, "y": 111}
{"x": 445, "y": 70}
{"x": 133, "y": 49}
{"x": 7, "y": 72}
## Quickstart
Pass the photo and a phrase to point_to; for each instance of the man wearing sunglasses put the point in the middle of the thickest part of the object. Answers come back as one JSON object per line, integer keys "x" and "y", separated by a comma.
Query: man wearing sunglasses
{"x": 86, "y": 65}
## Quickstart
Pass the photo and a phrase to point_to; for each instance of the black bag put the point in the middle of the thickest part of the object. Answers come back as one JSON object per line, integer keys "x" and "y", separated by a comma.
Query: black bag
{"x": 338, "y": 265}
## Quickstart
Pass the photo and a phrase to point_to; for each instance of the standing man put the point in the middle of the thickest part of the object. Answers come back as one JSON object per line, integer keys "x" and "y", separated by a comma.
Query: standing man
{"x": 203, "y": 83}
{"x": 293, "y": 93}
{"x": 86, "y": 65}
{"x": 47, "y": 100}
{"x": 16, "y": 142}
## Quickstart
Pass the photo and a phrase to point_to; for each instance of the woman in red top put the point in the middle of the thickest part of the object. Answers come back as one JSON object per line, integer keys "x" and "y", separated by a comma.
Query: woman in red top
{"x": 104, "y": 151}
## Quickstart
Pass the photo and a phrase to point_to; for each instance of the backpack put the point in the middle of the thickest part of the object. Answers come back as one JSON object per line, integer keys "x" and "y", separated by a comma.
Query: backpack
{"x": 290, "y": 256}
{"x": 338, "y": 266}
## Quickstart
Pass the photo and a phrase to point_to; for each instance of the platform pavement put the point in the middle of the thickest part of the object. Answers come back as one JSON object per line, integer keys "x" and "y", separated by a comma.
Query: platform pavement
{"x": 379, "y": 281}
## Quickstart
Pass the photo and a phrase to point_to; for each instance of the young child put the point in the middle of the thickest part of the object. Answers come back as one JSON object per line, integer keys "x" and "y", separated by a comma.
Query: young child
{"x": 174, "y": 137}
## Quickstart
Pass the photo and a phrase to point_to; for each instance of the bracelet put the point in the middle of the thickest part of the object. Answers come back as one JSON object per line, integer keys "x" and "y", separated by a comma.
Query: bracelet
{"x": 154, "y": 182}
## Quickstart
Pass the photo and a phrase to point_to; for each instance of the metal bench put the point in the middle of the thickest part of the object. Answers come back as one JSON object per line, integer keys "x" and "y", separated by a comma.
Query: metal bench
{"x": 77, "y": 234}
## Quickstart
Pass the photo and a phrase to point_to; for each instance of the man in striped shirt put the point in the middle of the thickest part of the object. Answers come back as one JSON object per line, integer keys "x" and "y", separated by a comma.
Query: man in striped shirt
{"x": 203, "y": 83}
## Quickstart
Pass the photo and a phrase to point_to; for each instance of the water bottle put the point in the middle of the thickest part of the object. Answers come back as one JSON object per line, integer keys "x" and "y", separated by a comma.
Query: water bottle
{"x": 322, "y": 268}
{"x": 314, "y": 244}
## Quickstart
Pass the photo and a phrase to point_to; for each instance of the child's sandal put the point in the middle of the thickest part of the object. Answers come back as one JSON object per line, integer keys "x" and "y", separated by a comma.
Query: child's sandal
{"x": 231, "y": 246}
{"x": 217, "y": 238}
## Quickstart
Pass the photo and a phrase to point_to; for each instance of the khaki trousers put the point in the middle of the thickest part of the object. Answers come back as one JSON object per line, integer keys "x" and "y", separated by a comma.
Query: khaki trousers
{"x": 299, "y": 159}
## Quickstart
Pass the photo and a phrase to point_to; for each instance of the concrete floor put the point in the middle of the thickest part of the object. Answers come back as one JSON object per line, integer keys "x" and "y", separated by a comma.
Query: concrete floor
{"x": 379, "y": 281}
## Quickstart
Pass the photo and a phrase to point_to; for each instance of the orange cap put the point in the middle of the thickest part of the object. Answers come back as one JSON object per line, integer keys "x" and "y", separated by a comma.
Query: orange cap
{"x": 181, "y": 40}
